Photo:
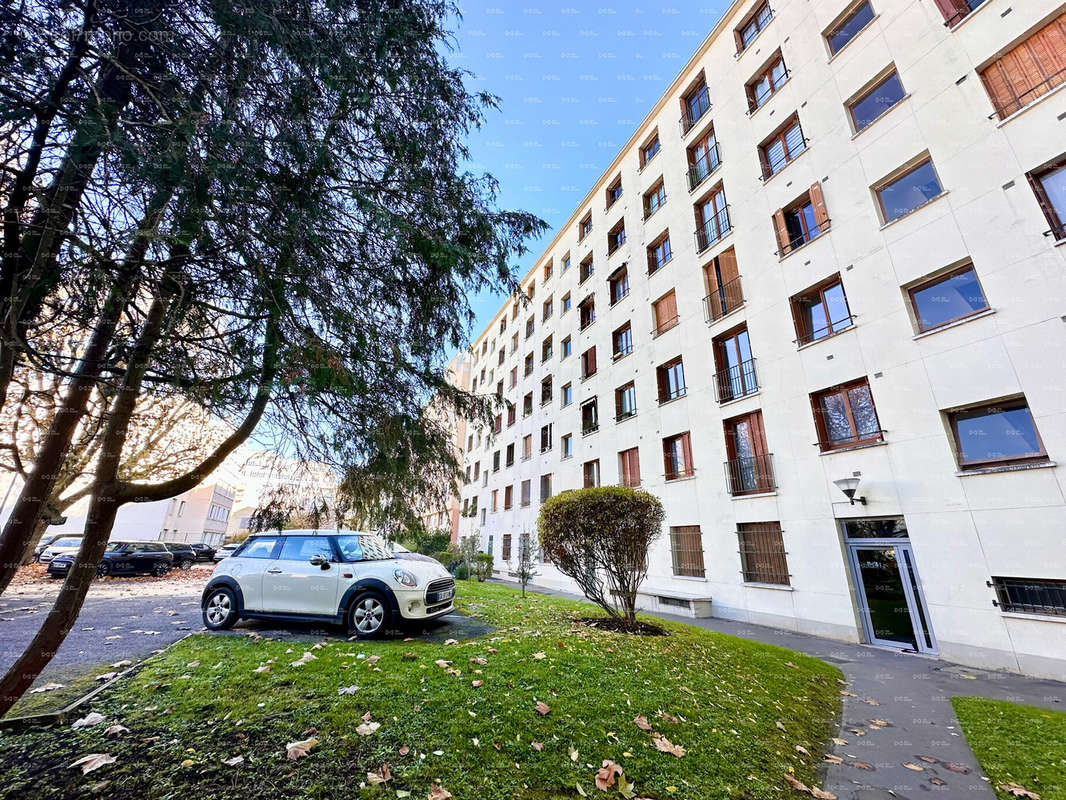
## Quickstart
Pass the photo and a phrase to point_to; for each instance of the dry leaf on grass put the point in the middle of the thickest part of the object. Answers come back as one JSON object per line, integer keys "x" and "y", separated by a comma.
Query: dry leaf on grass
{"x": 373, "y": 659}
{"x": 404, "y": 750}
{"x": 262, "y": 669}
{"x": 438, "y": 792}
{"x": 801, "y": 749}
{"x": 305, "y": 658}
{"x": 90, "y": 719}
{"x": 642, "y": 722}
{"x": 539, "y": 656}
{"x": 538, "y": 746}
{"x": 813, "y": 791}
{"x": 348, "y": 689}
{"x": 367, "y": 728}
{"x": 451, "y": 641}
{"x": 832, "y": 759}
{"x": 295, "y": 750}
{"x": 112, "y": 730}
{"x": 606, "y": 775}
{"x": 476, "y": 684}
{"x": 913, "y": 767}
{"x": 383, "y": 775}
{"x": 543, "y": 708}
{"x": 666, "y": 746}
{"x": 93, "y": 761}
{"x": 1016, "y": 790}
{"x": 233, "y": 762}
{"x": 478, "y": 660}
{"x": 779, "y": 725}
{"x": 48, "y": 687}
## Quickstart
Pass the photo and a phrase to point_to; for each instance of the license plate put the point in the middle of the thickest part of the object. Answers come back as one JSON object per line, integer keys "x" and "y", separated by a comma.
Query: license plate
{"x": 447, "y": 594}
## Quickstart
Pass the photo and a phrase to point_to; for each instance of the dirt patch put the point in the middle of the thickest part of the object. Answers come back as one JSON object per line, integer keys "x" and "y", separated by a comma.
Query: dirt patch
{"x": 33, "y": 579}
{"x": 621, "y": 626}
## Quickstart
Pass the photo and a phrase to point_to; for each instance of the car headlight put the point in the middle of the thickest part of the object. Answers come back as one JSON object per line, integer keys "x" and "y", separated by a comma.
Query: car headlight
{"x": 404, "y": 577}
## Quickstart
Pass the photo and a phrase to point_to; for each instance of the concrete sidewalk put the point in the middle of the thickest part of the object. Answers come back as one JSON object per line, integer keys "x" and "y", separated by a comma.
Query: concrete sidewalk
{"x": 901, "y": 704}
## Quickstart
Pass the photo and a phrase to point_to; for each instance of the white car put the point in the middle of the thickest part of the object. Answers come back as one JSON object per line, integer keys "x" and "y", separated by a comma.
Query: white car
{"x": 63, "y": 546}
{"x": 225, "y": 551}
{"x": 344, "y": 577}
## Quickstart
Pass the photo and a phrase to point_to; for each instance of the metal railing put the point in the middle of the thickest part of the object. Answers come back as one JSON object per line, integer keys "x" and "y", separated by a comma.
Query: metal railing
{"x": 762, "y": 553}
{"x": 737, "y": 381}
{"x": 665, "y": 325}
{"x": 585, "y": 431}
{"x": 680, "y": 391}
{"x": 692, "y": 114}
{"x": 625, "y": 414}
{"x": 755, "y": 102}
{"x": 771, "y": 168}
{"x": 797, "y": 242}
{"x": 686, "y": 553}
{"x": 750, "y": 475}
{"x": 965, "y": 7}
{"x": 868, "y": 437}
{"x": 713, "y": 229}
{"x": 821, "y": 332}
{"x": 724, "y": 300}
{"x": 1024, "y": 99}
{"x": 702, "y": 168}
{"x": 625, "y": 351}
{"x": 1030, "y": 596}
{"x": 654, "y": 264}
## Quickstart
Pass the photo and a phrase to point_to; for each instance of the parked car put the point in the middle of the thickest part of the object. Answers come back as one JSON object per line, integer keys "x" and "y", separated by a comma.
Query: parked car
{"x": 184, "y": 555}
{"x": 225, "y": 551}
{"x": 43, "y": 543}
{"x": 347, "y": 577}
{"x": 204, "y": 551}
{"x": 123, "y": 558}
{"x": 64, "y": 545}
{"x": 402, "y": 552}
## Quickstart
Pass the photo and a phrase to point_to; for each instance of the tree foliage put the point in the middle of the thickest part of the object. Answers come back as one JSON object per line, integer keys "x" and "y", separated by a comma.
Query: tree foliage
{"x": 600, "y": 538}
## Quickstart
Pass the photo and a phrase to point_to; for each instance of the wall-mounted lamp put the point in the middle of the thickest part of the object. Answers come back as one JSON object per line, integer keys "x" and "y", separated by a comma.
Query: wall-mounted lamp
{"x": 849, "y": 486}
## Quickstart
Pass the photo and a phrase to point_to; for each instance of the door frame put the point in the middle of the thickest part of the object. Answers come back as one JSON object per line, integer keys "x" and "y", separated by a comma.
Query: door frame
{"x": 912, "y": 590}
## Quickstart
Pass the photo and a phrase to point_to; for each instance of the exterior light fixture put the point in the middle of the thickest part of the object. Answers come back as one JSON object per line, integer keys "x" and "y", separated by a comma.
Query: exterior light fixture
{"x": 849, "y": 486}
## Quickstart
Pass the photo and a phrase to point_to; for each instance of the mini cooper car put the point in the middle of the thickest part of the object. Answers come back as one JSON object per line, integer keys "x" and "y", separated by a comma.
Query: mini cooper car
{"x": 122, "y": 558}
{"x": 343, "y": 577}
{"x": 62, "y": 546}
{"x": 43, "y": 543}
{"x": 184, "y": 555}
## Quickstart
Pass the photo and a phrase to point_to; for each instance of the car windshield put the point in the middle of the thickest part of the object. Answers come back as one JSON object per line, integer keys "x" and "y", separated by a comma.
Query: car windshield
{"x": 113, "y": 546}
{"x": 363, "y": 547}
{"x": 68, "y": 541}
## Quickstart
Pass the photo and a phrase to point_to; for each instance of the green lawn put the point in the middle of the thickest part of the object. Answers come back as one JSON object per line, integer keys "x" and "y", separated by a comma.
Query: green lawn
{"x": 738, "y": 709}
{"x": 1016, "y": 744}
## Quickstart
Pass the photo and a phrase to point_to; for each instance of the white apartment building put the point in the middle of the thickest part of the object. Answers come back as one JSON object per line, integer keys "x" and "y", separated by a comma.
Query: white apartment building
{"x": 832, "y": 257}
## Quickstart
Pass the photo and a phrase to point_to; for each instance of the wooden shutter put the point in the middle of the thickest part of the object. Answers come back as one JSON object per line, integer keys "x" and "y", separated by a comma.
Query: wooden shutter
{"x": 727, "y": 265}
{"x": 668, "y": 466}
{"x": 634, "y": 467}
{"x": 821, "y": 216}
{"x": 592, "y": 360}
{"x": 782, "y": 231}
{"x": 664, "y": 385}
{"x": 794, "y": 303}
{"x": 665, "y": 310}
{"x": 758, "y": 433}
{"x": 1029, "y": 70}
{"x": 686, "y": 449}
{"x": 950, "y": 7}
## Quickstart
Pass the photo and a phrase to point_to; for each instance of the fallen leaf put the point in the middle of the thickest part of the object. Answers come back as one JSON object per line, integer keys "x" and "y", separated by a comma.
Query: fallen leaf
{"x": 960, "y": 768}
{"x": 115, "y": 729}
{"x": 796, "y": 783}
{"x": 404, "y": 750}
{"x": 478, "y": 660}
{"x": 1017, "y": 790}
{"x": 801, "y": 749}
{"x": 295, "y": 750}
{"x": 861, "y": 765}
{"x": 822, "y": 794}
{"x": 606, "y": 775}
{"x": 373, "y": 659}
{"x": 119, "y": 664}
{"x": 642, "y": 722}
{"x": 665, "y": 745}
{"x": 451, "y": 641}
{"x": 367, "y": 728}
{"x": 366, "y": 717}
{"x": 928, "y": 759}
{"x": 262, "y": 669}
{"x": 232, "y": 762}
{"x": 105, "y": 676}
{"x": 625, "y": 788}
{"x": 574, "y": 754}
{"x": 779, "y": 725}
{"x": 543, "y": 708}
{"x": 93, "y": 761}
{"x": 870, "y": 702}
{"x": 90, "y": 719}
{"x": 913, "y": 767}
{"x": 440, "y": 662}
{"x": 304, "y": 659}
{"x": 538, "y": 746}
{"x": 383, "y": 775}
{"x": 838, "y": 740}
{"x": 476, "y": 684}
{"x": 438, "y": 792}
{"x": 539, "y": 656}
{"x": 48, "y": 687}
{"x": 829, "y": 758}
{"x": 348, "y": 689}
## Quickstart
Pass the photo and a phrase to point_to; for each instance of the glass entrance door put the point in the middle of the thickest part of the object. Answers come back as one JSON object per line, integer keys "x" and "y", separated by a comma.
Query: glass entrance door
{"x": 891, "y": 603}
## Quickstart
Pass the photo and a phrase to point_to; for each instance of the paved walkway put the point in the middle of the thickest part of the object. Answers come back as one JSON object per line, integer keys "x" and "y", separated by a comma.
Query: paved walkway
{"x": 901, "y": 703}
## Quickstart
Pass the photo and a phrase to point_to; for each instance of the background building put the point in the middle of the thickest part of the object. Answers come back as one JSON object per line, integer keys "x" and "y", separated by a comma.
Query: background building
{"x": 446, "y": 517}
{"x": 832, "y": 256}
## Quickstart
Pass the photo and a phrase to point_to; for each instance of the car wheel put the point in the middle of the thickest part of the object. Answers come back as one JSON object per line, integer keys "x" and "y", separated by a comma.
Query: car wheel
{"x": 103, "y": 569}
{"x": 159, "y": 569}
{"x": 220, "y": 609}
{"x": 368, "y": 615}
{"x": 186, "y": 563}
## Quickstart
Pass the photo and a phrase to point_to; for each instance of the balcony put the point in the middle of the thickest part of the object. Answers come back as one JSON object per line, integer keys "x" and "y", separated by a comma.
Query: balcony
{"x": 735, "y": 382}
{"x": 703, "y": 167}
{"x": 724, "y": 300}
{"x": 665, "y": 325}
{"x": 587, "y": 431}
{"x": 805, "y": 237}
{"x": 750, "y": 475}
{"x": 713, "y": 230}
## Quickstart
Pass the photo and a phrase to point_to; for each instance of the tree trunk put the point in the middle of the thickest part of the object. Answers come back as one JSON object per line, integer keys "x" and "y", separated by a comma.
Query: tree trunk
{"x": 38, "y": 531}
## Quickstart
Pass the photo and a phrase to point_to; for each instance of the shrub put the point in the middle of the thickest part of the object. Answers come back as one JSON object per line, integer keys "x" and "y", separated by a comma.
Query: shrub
{"x": 462, "y": 572}
{"x": 483, "y": 566}
{"x": 600, "y": 537}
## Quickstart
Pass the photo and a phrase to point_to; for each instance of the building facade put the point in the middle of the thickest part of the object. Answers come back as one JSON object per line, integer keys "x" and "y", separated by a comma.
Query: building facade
{"x": 199, "y": 515}
{"x": 434, "y": 515}
{"x": 817, "y": 305}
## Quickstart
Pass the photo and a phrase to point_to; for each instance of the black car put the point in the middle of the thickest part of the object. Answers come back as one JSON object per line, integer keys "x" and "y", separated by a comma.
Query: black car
{"x": 123, "y": 558}
{"x": 184, "y": 555}
{"x": 204, "y": 552}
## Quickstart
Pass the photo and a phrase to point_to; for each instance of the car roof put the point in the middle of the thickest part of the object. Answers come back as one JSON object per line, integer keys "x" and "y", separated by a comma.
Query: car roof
{"x": 310, "y": 532}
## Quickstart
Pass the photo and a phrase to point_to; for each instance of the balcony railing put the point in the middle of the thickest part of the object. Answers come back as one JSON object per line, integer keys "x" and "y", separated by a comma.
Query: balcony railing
{"x": 771, "y": 168}
{"x": 625, "y": 413}
{"x": 828, "y": 329}
{"x": 587, "y": 318}
{"x": 797, "y": 242}
{"x": 696, "y": 107}
{"x": 665, "y": 325}
{"x": 713, "y": 229}
{"x": 757, "y": 99}
{"x": 963, "y": 9}
{"x": 1029, "y": 95}
{"x": 750, "y": 475}
{"x": 669, "y": 395}
{"x": 724, "y": 301}
{"x": 590, "y": 429}
{"x": 854, "y": 440}
{"x": 702, "y": 167}
{"x": 737, "y": 381}
{"x": 622, "y": 352}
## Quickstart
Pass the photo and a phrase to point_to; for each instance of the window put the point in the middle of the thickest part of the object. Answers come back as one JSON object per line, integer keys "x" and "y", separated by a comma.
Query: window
{"x": 629, "y": 467}
{"x": 495, "y": 500}
{"x": 508, "y": 496}
{"x": 762, "y": 553}
{"x": 302, "y": 548}
{"x": 499, "y": 389}
{"x": 947, "y": 298}
{"x": 769, "y": 79}
{"x": 665, "y": 312}
{"x": 801, "y": 222}
{"x": 677, "y": 456}
{"x": 567, "y": 394}
{"x": 746, "y": 32}
{"x": 1049, "y": 185}
{"x": 527, "y": 493}
{"x": 546, "y": 349}
{"x": 712, "y": 218}
{"x": 258, "y": 547}
{"x": 848, "y": 26}
{"x": 618, "y": 284}
{"x": 545, "y": 487}
{"x": 614, "y": 191}
{"x": 477, "y": 470}
{"x": 588, "y": 362}
{"x": 546, "y": 390}
{"x": 483, "y": 522}
{"x": 527, "y": 446}
{"x": 584, "y": 228}
{"x": 528, "y": 364}
{"x": 549, "y": 269}
{"x": 546, "y": 438}
{"x": 821, "y": 311}
{"x": 505, "y": 551}
{"x": 694, "y": 104}
{"x": 703, "y": 159}
{"x": 955, "y": 10}
{"x": 547, "y": 308}
{"x": 509, "y": 460}
{"x": 586, "y": 269}
{"x": 659, "y": 253}
{"x": 875, "y": 101}
{"x": 625, "y": 402}
{"x": 590, "y": 417}
{"x": 530, "y": 327}
{"x": 654, "y": 198}
{"x": 1029, "y": 70}
{"x": 908, "y": 192}
{"x": 649, "y": 149}
{"x": 724, "y": 294}
{"x": 568, "y": 347}
{"x": 566, "y": 302}
{"x": 514, "y": 343}
{"x": 512, "y": 414}
{"x": 590, "y": 473}
{"x": 995, "y": 434}
{"x": 671, "y": 380}
{"x": 622, "y": 341}
{"x": 527, "y": 404}
{"x": 497, "y": 423}
{"x": 778, "y": 151}
{"x": 566, "y": 445}
{"x": 845, "y": 416}
{"x": 616, "y": 236}
{"x": 586, "y": 311}
{"x": 1031, "y": 596}
{"x": 496, "y": 461}
{"x": 686, "y": 550}
{"x": 734, "y": 366}
{"x": 566, "y": 262}
{"x": 530, "y": 290}
{"x": 749, "y": 468}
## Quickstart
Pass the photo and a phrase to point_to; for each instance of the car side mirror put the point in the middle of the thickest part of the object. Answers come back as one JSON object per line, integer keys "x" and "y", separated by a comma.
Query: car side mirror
{"x": 319, "y": 561}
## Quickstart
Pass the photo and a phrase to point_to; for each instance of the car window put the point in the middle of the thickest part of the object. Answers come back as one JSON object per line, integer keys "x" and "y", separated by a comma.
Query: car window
{"x": 301, "y": 548}
{"x": 259, "y": 548}
{"x": 68, "y": 541}
{"x": 114, "y": 546}
{"x": 362, "y": 548}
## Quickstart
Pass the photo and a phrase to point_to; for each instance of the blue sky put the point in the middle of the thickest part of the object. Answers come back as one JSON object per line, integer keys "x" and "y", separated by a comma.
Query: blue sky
{"x": 574, "y": 81}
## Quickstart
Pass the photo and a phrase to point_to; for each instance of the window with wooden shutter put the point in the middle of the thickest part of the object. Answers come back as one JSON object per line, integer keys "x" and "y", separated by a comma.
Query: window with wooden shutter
{"x": 625, "y": 402}
{"x": 677, "y": 456}
{"x": 724, "y": 293}
{"x": 762, "y": 553}
{"x": 671, "y": 380}
{"x": 665, "y": 311}
{"x": 1029, "y": 70}
{"x": 686, "y": 550}
{"x": 588, "y": 362}
{"x": 590, "y": 473}
{"x": 629, "y": 462}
